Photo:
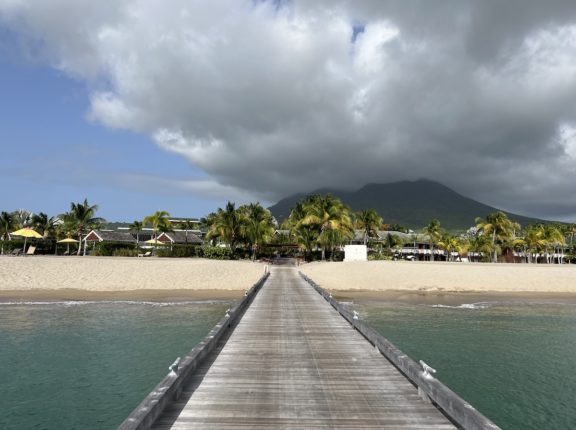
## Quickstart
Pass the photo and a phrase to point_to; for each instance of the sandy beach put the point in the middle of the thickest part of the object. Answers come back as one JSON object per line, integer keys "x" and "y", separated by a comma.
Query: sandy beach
{"x": 117, "y": 278}
{"x": 364, "y": 278}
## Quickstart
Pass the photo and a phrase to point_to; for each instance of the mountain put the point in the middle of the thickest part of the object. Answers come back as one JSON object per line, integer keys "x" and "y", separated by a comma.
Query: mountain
{"x": 409, "y": 203}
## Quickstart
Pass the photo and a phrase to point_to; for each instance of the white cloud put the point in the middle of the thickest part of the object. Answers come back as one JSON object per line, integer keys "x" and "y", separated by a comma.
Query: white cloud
{"x": 278, "y": 99}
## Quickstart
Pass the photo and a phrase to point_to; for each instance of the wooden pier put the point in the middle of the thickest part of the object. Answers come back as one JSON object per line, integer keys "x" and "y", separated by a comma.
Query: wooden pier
{"x": 293, "y": 361}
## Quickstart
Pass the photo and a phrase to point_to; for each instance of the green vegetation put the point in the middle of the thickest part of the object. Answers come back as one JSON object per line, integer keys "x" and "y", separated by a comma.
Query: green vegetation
{"x": 250, "y": 226}
{"x": 434, "y": 232}
{"x": 136, "y": 227}
{"x": 317, "y": 227}
{"x": 79, "y": 221}
{"x": 322, "y": 221}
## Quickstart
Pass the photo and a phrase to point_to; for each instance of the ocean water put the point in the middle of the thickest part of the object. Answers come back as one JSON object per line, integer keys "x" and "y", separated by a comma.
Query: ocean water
{"x": 87, "y": 365}
{"x": 514, "y": 361}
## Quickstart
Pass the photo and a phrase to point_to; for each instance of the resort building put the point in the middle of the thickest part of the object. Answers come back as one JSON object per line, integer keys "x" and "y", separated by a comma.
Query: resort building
{"x": 180, "y": 237}
{"x": 109, "y": 236}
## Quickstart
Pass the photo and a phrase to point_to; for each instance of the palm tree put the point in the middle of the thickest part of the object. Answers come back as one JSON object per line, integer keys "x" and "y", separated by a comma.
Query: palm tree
{"x": 304, "y": 235}
{"x": 392, "y": 243}
{"x": 81, "y": 218}
{"x": 206, "y": 224}
{"x": 434, "y": 232}
{"x": 226, "y": 225}
{"x": 479, "y": 244}
{"x": 555, "y": 240}
{"x": 44, "y": 225}
{"x": 571, "y": 231}
{"x": 186, "y": 225}
{"x": 499, "y": 227}
{"x": 257, "y": 225}
{"x": 369, "y": 221}
{"x": 452, "y": 244}
{"x": 7, "y": 225}
{"x": 332, "y": 218}
{"x": 136, "y": 226}
{"x": 21, "y": 218}
{"x": 159, "y": 221}
{"x": 533, "y": 241}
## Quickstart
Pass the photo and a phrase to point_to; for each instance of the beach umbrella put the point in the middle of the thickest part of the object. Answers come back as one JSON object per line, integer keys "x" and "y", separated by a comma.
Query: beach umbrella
{"x": 27, "y": 232}
{"x": 68, "y": 241}
{"x": 155, "y": 242}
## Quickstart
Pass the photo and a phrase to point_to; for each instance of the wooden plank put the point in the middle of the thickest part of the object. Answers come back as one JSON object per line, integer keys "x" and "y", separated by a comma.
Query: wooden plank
{"x": 294, "y": 362}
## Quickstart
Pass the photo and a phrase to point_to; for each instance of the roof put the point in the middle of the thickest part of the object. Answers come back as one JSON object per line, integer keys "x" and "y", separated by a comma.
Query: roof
{"x": 179, "y": 237}
{"x": 406, "y": 237}
{"x": 109, "y": 236}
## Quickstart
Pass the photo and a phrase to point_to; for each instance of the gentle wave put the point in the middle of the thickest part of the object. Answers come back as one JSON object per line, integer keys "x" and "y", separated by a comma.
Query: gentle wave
{"x": 464, "y": 306}
{"x": 113, "y": 302}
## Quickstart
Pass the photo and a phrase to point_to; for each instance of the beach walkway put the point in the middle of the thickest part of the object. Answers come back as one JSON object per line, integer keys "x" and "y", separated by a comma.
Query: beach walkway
{"x": 295, "y": 362}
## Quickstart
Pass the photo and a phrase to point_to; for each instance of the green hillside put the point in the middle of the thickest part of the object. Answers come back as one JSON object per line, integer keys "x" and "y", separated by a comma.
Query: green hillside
{"x": 409, "y": 203}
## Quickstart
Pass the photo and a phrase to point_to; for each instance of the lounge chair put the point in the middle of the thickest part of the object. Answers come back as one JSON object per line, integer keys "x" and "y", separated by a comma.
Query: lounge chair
{"x": 147, "y": 254}
{"x": 16, "y": 251}
{"x": 31, "y": 250}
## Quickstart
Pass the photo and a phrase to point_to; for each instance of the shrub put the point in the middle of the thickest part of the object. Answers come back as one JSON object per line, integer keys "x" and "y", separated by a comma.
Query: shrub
{"x": 108, "y": 249}
{"x": 179, "y": 251}
{"x": 216, "y": 252}
{"x": 125, "y": 253}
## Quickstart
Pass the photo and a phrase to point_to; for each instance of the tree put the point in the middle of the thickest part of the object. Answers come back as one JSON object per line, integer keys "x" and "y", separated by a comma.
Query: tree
{"x": 159, "y": 221}
{"x": 392, "y": 242}
{"x": 480, "y": 244}
{"x": 7, "y": 225}
{"x": 186, "y": 225}
{"x": 434, "y": 232}
{"x": 136, "y": 226}
{"x": 226, "y": 225}
{"x": 452, "y": 244}
{"x": 533, "y": 242}
{"x": 369, "y": 222}
{"x": 332, "y": 218}
{"x": 21, "y": 218}
{"x": 257, "y": 225}
{"x": 499, "y": 227}
{"x": 44, "y": 225}
{"x": 304, "y": 235}
{"x": 555, "y": 240}
{"x": 81, "y": 218}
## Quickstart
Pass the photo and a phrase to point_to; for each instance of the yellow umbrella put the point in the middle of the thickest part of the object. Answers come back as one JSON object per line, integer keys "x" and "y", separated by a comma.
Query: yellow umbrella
{"x": 27, "y": 232}
{"x": 155, "y": 242}
{"x": 68, "y": 241}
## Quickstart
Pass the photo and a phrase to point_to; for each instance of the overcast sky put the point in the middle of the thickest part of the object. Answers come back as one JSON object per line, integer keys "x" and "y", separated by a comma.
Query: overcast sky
{"x": 143, "y": 105}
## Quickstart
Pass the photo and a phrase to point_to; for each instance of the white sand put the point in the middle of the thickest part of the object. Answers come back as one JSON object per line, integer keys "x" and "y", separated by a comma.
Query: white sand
{"x": 443, "y": 277}
{"x": 123, "y": 274}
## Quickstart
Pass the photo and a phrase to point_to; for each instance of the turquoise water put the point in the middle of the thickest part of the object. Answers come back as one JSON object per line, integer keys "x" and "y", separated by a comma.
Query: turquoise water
{"x": 88, "y": 365}
{"x": 514, "y": 361}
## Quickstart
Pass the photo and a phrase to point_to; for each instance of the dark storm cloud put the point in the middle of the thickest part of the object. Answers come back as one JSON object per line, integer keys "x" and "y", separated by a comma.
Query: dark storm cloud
{"x": 273, "y": 98}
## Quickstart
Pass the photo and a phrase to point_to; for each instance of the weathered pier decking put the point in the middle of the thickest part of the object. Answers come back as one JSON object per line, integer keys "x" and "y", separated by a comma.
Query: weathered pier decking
{"x": 294, "y": 362}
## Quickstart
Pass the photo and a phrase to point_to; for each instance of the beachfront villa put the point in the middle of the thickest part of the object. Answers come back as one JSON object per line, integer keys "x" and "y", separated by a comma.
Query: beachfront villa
{"x": 180, "y": 237}
{"x": 109, "y": 236}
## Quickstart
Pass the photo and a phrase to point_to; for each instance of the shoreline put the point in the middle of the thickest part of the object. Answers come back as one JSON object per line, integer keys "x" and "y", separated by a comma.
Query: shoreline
{"x": 49, "y": 278}
{"x": 455, "y": 298}
{"x": 442, "y": 278}
{"x": 125, "y": 277}
{"x": 79, "y": 295}
{"x": 353, "y": 295}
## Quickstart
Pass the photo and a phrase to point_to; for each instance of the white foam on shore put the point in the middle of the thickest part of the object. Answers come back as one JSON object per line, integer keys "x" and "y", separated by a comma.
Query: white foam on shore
{"x": 70, "y": 303}
{"x": 474, "y": 306}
